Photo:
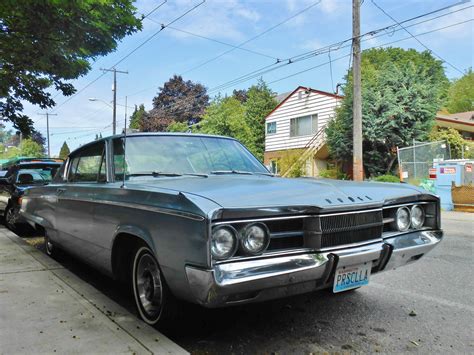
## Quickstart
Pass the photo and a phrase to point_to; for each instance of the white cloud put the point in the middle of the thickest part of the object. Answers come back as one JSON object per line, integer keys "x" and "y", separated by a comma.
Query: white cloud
{"x": 220, "y": 19}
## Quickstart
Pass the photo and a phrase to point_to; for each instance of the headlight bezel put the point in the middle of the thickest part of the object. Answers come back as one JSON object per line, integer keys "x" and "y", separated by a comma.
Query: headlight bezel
{"x": 244, "y": 238}
{"x": 235, "y": 245}
{"x": 430, "y": 207}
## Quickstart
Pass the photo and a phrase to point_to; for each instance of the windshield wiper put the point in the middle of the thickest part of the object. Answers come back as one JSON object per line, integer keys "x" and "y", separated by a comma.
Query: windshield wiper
{"x": 223, "y": 172}
{"x": 167, "y": 174}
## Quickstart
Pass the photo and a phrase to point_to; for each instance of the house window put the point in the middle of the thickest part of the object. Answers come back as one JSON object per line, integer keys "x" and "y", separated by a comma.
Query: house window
{"x": 271, "y": 127}
{"x": 303, "y": 126}
{"x": 274, "y": 167}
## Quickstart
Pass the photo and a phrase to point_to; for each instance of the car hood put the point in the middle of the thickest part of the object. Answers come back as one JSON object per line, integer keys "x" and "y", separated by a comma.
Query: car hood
{"x": 244, "y": 191}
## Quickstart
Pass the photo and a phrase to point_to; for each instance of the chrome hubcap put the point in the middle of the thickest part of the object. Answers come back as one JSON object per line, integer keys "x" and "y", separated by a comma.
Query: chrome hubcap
{"x": 10, "y": 217}
{"x": 148, "y": 285}
{"x": 49, "y": 246}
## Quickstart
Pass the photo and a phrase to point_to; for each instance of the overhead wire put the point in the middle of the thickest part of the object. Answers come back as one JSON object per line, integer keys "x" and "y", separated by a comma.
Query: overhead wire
{"x": 131, "y": 52}
{"x": 415, "y": 37}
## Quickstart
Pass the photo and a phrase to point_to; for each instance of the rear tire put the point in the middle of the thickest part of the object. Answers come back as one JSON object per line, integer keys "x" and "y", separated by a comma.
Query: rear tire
{"x": 154, "y": 301}
{"x": 10, "y": 218}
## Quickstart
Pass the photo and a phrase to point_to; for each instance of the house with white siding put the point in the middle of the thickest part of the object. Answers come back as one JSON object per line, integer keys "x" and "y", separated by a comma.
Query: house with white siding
{"x": 297, "y": 124}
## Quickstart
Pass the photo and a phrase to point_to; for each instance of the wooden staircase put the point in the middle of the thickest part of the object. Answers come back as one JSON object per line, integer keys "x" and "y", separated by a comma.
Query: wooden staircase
{"x": 309, "y": 150}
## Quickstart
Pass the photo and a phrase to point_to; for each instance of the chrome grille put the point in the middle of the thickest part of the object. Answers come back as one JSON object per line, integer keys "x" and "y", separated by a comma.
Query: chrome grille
{"x": 350, "y": 228}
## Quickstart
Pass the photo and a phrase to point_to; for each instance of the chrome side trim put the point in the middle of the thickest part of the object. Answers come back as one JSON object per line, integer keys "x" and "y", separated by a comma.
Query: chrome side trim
{"x": 262, "y": 219}
{"x": 409, "y": 204}
{"x": 161, "y": 210}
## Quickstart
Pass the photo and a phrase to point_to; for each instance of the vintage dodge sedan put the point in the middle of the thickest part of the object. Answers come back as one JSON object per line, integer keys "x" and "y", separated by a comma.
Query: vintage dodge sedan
{"x": 198, "y": 218}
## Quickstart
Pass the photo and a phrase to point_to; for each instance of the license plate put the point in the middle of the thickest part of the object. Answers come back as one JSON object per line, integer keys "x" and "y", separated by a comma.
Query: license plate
{"x": 349, "y": 277}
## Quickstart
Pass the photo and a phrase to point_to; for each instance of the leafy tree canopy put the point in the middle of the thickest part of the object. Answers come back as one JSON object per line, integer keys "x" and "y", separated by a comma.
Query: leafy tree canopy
{"x": 177, "y": 101}
{"x": 461, "y": 94}
{"x": 27, "y": 148}
{"x": 46, "y": 43}
{"x": 241, "y": 119}
{"x": 137, "y": 117}
{"x": 226, "y": 117}
{"x": 64, "y": 152}
{"x": 401, "y": 92}
{"x": 453, "y": 137}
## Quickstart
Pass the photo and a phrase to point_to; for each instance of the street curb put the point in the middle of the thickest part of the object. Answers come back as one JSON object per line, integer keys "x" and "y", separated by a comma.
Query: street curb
{"x": 116, "y": 318}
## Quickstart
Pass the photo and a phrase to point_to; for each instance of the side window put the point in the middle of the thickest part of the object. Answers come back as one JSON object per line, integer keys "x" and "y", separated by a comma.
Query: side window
{"x": 88, "y": 165}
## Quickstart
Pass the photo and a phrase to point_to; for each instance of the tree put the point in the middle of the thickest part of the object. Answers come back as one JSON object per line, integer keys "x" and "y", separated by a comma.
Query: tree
{"x": 260, "y": 101}
{"x": 38, "y": 138}
{"x": 29, "y": 148}
{"x": 240, "y": 95}
{"x": 64, "y": 152}
{"x": 453, "y": 137}
{"x": 137, "y": 117}
{"x": 461, "y": 94}
{"x": 177, "y": 101}
{"x": 226, "y": 117}
{"x": 401, "y": 92}
{"x": 46, "y": 43}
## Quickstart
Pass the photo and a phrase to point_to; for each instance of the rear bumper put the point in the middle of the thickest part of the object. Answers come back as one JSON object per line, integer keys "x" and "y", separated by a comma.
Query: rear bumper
{"x": 276, "y": 277}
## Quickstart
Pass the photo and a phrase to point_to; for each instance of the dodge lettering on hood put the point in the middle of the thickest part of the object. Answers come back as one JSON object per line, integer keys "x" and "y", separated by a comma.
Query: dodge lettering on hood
{"x": 197, "y": 218}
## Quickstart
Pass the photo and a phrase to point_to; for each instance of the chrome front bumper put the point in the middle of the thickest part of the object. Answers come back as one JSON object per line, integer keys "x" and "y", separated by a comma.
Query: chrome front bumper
{"x": 275, "y": 277}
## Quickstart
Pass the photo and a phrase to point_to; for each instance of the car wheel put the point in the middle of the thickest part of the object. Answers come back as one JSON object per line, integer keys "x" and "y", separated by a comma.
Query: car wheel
{"x": 154, "y": 301}
{"x": 10, "y": 218}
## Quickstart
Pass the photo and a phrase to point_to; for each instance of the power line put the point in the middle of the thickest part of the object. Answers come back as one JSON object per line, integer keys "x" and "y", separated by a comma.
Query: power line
{"x": 333, "y": 46}
{"x": 132, "y": 51}
{"x": 253, "y": 38}
{"x": 219, "y": 41}
{"x": 415, "y": 38}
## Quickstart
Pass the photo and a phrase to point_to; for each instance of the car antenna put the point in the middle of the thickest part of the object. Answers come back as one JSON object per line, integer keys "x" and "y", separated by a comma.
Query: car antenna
{"x": 124, "y": 145}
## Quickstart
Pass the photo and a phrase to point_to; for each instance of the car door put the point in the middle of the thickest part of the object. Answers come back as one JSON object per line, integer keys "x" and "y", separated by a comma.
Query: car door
{"x": 76, "y": 198}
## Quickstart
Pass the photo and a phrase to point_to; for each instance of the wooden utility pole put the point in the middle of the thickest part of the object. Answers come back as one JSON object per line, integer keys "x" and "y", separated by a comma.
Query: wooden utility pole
{"x": 47, "y": 114}
{"x": 358, "y": 166}
{"x": 114, "y": 89}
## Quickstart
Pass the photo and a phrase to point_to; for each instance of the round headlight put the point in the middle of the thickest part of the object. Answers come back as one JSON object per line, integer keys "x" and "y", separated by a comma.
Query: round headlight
{"x": 255, "y": 238}
{"x": 417, "y": 216}
{"x": 223, "y": 242}
{"x": 403, "y": 219}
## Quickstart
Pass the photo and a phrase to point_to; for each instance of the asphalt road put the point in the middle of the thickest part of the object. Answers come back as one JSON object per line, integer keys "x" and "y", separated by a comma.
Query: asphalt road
{"x": 426, "y": 307}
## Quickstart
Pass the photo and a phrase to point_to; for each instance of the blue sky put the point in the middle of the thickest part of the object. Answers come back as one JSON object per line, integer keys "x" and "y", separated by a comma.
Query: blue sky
{"x": 235, "y": 21}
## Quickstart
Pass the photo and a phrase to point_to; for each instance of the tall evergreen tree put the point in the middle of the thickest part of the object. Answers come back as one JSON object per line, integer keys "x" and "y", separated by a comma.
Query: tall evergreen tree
{"x": 401, "y": 92}
{"x": 64, "y": 152}
{"x": 137, "y": 117}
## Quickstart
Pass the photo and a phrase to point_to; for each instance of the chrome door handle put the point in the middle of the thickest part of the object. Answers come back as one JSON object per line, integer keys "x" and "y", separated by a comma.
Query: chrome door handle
{"x": 60, "y": 191}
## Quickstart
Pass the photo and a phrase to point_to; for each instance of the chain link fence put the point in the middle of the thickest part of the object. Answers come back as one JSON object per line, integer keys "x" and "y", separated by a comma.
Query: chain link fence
{"x": 415, "y": 161}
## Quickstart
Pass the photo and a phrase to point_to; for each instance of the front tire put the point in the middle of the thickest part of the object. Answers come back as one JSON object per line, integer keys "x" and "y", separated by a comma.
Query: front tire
{"x": 50, "y": 249}
{"x": 153, "y": 299}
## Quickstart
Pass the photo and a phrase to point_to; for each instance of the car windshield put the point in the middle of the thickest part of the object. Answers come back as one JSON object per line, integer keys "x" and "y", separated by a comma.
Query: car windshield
{"x": 35, "y": 176}
{"x": 180, "y": 155}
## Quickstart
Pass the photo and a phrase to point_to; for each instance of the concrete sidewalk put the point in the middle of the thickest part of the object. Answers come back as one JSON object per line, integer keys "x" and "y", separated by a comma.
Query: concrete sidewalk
{"x": 44, "y": 308}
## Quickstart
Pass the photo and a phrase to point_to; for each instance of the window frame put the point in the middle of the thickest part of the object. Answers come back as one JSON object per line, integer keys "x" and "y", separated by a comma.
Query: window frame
{"x": 271, "y": 123}
{"x": 314, "y": 117}
{"x": 77, "y": 154}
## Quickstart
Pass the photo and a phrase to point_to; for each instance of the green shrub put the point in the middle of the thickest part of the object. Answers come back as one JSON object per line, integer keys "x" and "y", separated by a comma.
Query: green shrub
{"x": 333, "y": 174}
{"x": 387, "y": 178}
